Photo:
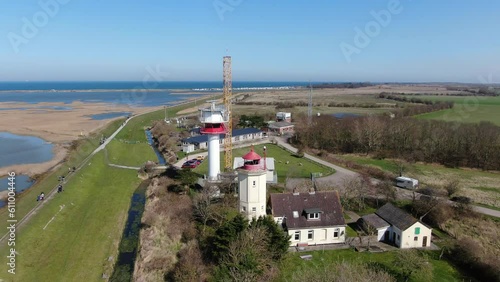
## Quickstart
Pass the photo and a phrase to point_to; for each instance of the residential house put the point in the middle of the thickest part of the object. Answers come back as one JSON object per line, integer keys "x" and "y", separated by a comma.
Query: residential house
{"x": 313, "y": 218}
{"x": 396, "y": 226}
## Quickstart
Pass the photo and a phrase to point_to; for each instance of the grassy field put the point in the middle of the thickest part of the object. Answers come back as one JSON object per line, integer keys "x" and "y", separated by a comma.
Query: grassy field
{"x": 73, "y": 236}
{"x": 281, "y": 156}
{"x": 130, "y": 154}
{"x": 482, "y": 186}
{"x": 467, "y": 109}
{"x": 293, "y": 264}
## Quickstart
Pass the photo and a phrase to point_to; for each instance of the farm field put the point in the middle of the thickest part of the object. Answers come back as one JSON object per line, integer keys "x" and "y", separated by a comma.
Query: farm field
{"x": 293, "y": 265}
{"x": 472, "y": 109}
{"x": 482, "y": 186}
{"x": 281, "y": 156}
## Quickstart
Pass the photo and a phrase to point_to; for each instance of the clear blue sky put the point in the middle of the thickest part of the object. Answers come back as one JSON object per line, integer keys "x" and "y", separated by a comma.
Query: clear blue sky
{"x": 293, "y": 40}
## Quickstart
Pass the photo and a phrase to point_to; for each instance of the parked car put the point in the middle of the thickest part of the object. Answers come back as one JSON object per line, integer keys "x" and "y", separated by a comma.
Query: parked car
{"x": 190, "y": 164}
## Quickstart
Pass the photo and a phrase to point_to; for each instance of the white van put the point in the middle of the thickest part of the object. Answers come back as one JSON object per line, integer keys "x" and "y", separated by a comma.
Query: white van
{"x": 406, "y": 182}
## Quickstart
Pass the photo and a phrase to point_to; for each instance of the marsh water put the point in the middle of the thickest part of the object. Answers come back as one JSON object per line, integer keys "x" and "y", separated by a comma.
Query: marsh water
{"x": 18, "y": 149}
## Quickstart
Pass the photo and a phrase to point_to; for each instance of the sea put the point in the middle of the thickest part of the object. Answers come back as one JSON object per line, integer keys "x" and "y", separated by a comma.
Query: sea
{"x": 129, "y": 93}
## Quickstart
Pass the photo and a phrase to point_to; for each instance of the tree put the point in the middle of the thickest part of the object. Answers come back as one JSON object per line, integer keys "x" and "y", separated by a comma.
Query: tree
{"x": 452, "y": 187}
{"x": 387, "y": 189}
{"x": 278, "y": 241}
{"x": 226, "y": 234}
{"x": 410, "y": 262}
{"x": 187, "y": 177}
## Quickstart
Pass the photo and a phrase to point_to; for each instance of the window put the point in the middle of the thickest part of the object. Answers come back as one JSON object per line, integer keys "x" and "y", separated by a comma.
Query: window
{"x": 417, "y": 230}
{"x": 415, "y": 238}
{"x": 254, "y": 209}
{"x": 314, "y": 215}
{"x": 244, "y": 208}
{"x": 336, "y": 233}
{"x": 297, "y": 236}
{"x": 253, "y": 183}
{"x": 310, "y": 234}
{"x": 261, "y": 208}
{"x": 398, "y": 237}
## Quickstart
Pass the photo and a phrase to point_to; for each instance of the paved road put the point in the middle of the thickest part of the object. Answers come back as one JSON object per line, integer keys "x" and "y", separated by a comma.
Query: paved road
{"x": 338, "y": 178}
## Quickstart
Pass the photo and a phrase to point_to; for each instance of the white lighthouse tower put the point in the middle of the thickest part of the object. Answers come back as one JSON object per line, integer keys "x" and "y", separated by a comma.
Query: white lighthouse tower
{"x": 252, "y": 186}
{"x": 213, "y": 119}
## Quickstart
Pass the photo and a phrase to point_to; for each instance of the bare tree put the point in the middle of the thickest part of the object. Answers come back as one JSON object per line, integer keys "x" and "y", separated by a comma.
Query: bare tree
{"x": 452, "y": 187}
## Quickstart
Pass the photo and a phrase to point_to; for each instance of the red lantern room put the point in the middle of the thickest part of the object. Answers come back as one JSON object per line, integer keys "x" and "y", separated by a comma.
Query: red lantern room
{"x": 251, "y": 161}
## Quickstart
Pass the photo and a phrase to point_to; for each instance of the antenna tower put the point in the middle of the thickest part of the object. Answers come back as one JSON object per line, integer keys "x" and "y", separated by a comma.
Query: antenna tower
{"x": 227, "y": 96}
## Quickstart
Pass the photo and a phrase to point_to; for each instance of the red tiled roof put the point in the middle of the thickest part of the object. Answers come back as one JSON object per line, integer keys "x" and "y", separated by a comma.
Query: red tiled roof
{"x": 251, "y": 156}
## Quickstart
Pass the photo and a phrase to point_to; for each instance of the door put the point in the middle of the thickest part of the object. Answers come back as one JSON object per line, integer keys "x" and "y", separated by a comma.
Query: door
{"x": 387, "y": 235}
{"x": 424, "y": 242}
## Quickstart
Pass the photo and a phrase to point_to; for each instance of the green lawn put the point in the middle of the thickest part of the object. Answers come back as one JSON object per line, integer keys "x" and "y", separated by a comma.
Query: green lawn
{"x": 130, "y": 154}
{"x": 281, "y": 157}
{"x": 466, "y": 109}
{"x": 293, "y": 264}
{"x": 76, "y": 244}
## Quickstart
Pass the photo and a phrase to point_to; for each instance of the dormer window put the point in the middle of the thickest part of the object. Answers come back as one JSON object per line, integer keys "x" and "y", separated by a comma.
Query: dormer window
{"x": 313, "y": 214}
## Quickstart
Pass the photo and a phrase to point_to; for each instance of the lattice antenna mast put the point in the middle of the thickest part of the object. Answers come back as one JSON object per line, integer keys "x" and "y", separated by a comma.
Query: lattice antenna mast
{"x": 309, "y": 108}
{"x": 227, "y": 96}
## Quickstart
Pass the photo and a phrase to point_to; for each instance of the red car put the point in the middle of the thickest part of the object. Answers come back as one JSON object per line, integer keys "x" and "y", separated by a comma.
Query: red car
{"x": 190, "y": 164}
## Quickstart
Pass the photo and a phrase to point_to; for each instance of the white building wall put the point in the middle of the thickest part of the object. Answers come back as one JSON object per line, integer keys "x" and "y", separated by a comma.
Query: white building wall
{"x": 252, "y": 193}
{"x": 213, "y": 157}
{"x": 381, "y": 233}
{"x": 408, "y": 236}
{"x": 320, "y": 235}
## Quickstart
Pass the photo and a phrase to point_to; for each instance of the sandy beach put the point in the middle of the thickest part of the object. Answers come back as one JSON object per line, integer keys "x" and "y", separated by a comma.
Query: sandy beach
{"x": 59, "y": 127}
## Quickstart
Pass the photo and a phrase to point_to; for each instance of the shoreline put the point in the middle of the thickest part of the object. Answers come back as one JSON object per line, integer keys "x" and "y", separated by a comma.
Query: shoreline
{"x": 58, "y": 136}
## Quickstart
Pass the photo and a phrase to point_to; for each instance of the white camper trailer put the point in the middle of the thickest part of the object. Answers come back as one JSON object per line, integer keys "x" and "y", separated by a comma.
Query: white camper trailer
{"x": 406, "y": 182}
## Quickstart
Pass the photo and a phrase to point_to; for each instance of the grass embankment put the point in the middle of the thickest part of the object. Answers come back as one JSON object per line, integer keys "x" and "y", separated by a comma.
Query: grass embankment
{"x": 470, "y": 109}
{"x": 26, "y": 201}
{"x": 482, "y": 186}
{"x": 77, "y": 243}
{"x": 82, "y": 227}
{"x": 121, "y": 153}
{"x": 281, "y": 157}
{"x": 293, "y": 265}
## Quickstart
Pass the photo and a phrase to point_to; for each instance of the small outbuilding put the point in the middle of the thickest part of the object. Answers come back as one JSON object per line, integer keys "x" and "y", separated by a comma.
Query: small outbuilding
{"x": 393, "y": 225}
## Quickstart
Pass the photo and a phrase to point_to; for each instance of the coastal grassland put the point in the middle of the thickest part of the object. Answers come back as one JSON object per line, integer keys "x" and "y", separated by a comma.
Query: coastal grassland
{"x": 293, "y": 265}
{"x": 269, "y": 110}
{"x": 281, "y": 157}
{"x": 134, "y": 131}
{"x": 482, "y": 186}
{"x": 86, "y": 223}
{"x": 81, "y": 149}
{"x": 121, "y": 153}
{"x": 471, "y": 109}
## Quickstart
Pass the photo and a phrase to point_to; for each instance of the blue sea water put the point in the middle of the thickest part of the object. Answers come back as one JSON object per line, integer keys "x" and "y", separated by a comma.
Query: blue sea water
{"x": 84, "y": 85}
{"x": 16, "y": 149}
{"x": 110, "y": 115}
{"x": 132, "y": 94}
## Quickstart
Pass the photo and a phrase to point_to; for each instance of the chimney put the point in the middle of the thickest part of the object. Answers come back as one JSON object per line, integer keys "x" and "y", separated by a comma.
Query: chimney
{"x": 312, "y": 191}
{"x": 295, "y": 191}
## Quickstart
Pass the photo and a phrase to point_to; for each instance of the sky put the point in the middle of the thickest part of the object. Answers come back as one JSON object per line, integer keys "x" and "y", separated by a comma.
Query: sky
{"x": 269, "y": 40}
